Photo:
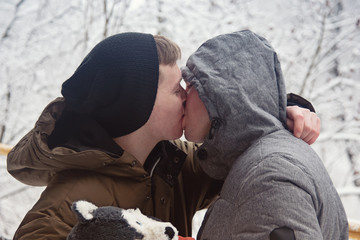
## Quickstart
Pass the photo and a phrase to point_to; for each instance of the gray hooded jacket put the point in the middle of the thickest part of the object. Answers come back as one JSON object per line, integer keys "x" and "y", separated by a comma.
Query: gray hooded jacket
{"x": 276, "y": 187}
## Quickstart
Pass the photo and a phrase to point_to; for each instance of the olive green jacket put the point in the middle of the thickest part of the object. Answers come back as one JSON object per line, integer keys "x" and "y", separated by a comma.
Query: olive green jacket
{"x": 170, "y": 186}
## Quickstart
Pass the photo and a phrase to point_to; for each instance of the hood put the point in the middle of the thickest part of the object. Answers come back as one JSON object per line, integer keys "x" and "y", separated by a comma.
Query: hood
{"x": 32, "y": 161}
{"x": 239, "y": 79}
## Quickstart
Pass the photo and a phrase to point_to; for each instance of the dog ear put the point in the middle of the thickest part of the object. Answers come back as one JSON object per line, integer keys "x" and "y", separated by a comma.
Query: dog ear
{"x": 83, "y": 210}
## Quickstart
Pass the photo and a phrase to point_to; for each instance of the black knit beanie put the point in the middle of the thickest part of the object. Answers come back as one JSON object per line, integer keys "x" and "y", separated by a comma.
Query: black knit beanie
{"x": 116, "y": 83}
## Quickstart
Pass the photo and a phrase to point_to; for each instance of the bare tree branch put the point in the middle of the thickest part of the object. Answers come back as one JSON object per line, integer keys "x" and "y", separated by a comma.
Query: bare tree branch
{"x": 13, "y": 20}
{"x": 6, "y": 112}
{"x": 316, "y": 54}
{"x": 120, "y": 17}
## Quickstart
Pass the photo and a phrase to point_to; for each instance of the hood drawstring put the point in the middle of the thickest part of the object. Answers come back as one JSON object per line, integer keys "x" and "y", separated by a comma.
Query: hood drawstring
{"x": 215, "y": 124}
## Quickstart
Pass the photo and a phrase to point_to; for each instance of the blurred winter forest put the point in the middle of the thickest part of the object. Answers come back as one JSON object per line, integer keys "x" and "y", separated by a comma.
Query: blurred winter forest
{"x": 43, "y": 41}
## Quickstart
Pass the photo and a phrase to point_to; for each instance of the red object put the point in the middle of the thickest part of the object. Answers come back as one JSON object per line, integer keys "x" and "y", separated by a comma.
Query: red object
{"x": 186, "y": 238}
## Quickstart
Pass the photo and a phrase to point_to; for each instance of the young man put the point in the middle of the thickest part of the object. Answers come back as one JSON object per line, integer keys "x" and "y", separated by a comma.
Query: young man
{"x": 107, "y": 142}
{"x": 276, "y": 187}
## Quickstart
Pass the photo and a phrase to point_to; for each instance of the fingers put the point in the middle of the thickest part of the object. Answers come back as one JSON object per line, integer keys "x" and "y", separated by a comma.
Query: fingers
{"x": 315, "y": 133}
{"x": 305, "y": 124}
{"x": 290, "y": 124}
{"x": 296, "y": 117}
{"x": 311, "y": 129}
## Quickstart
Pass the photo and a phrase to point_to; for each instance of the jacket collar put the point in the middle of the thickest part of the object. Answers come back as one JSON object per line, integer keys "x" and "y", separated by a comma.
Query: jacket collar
{"x": 166, "y": 161}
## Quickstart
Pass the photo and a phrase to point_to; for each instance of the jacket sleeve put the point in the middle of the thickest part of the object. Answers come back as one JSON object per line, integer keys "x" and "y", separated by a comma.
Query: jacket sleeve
{"x": 51, "y": 217}
{"x": 48, "y": 219}
{"x": 278, "y": 200}
{"x": 269, "y": 202}
{"x": 39, "y": 226}
{"x": 296, "y": 100}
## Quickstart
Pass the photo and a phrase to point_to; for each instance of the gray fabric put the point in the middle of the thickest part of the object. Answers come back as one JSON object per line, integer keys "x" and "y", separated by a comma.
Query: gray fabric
{"x": 272, "y": 179}
{"x": 241, "y": 85}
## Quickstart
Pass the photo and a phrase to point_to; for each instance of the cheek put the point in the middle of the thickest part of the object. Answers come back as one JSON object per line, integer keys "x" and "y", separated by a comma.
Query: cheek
{"x": 168, "y": 107}
{"x": 190, "y": 113}
{"x": 171, "y": 112}
{"x": 175, "y": 107}
{"x": 171, "y": 115}
{"x": 197, "y": 110}
{"x": 197, "y": 121}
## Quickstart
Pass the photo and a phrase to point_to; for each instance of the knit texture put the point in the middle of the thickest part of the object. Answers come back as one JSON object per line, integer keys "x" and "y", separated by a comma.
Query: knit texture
{"x": 116, "y": 83}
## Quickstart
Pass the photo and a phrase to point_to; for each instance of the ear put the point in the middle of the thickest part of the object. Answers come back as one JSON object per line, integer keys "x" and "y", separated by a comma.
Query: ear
{"x": 83, "y": 210}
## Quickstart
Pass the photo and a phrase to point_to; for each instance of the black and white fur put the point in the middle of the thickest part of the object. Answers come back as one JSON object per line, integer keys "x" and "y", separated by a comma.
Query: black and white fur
{"x": 112, "y": 223}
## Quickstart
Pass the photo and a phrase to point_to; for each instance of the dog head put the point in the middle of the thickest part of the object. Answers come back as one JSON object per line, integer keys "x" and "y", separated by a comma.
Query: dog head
{"x": 114, "y": 223}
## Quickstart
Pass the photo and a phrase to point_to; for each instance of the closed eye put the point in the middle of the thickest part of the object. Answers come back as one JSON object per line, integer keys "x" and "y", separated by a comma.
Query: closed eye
{"x": 178, "y": 91}
{"x": 188, "y": 86}
{"x": 138, "y": 223}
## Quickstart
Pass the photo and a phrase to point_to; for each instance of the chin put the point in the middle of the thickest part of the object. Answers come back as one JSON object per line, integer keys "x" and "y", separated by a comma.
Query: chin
{"x": 177, "y": 135}
{"x": 190, "y": 138}
{"x": 193, "y": 137}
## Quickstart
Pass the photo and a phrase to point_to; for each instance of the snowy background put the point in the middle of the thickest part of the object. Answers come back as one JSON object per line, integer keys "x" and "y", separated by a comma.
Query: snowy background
{"x": 43, "y": 41}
